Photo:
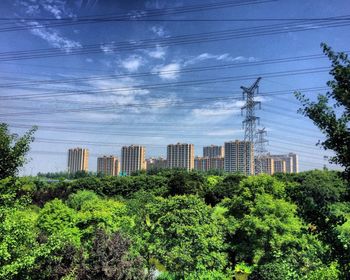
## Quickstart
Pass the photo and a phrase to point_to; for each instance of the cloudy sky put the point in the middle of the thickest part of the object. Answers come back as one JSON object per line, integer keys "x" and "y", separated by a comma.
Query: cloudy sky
{"x": 102, "y": 74}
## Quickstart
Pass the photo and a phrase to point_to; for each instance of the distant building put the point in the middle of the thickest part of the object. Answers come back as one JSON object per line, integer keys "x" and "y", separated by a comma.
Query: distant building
{"x": 213, "y": 151}
{"x": 78, "y": 160}
{"x": 280, "y": 165}
{"x": 202, "y": 164}
{"x": 156, "y": 163}
{"x": 217, "y": 163}
{"x": 206, "y": 163}
{"x": 239, "y": 157}
{"x": 267, "y": 165}
{"x": 180, "y": 156}
{"x": 132, "y": 159}
{"x": 291, "y": 162}
{"x": 108, "y": 165}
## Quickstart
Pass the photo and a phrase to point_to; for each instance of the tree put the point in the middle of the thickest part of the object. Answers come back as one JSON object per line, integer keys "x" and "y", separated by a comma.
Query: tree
{"x": 184, "y": 182}
{"x": 185, "y": 237}
{"x": 314, "y": 192}
{"x": 223, "y": 188}
{"x": 331, "y": 112}
{"x": 13, "y": 150}
{"x": 109, "y": 258}
{"x": 264, "y": 226}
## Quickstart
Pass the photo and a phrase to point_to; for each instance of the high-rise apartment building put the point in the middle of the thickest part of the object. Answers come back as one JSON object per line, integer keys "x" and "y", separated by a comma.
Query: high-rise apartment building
{"x": 267, "y": 165}
{"x": 217, "y": 163}
{"x": 156, "y": 163}
{"x": 295, "y": 166}
{"x": 133, "y": 159}
{"x": 78, "y": 160}
{"x": 180, "y": 156}
{"x": 206, "y": 163}
{"x": 239, "y": 157}
{"x": 213, "y": 151}
{"x": 280, "y": 165}
{"x": 271, "y": 164}
{"x": 202, "y": 164}
{"x": 291, "y": 162}
{"x": 108, "y": 165}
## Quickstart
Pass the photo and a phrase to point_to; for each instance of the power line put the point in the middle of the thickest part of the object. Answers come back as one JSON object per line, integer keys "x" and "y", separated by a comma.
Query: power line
{"x": 169, "y": 41}
{"x": 152, "y": 73}
{"x": 144, "y": 14}
{"x": 167, "y": 85}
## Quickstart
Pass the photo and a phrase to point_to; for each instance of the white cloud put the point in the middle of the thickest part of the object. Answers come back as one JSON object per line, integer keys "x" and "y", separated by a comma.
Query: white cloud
{"x": 53, "y": 37}
{"x": 219, "y": 57}
{"x": 58, "y": 8}
{"x": 224, "y": 132}
{"x": 159, "y": 31}
{"x": 132, "y": 63}
{"x": 107, "y": 48}
{"x": 218, "y": 109}
{"x": 121, "y": 87}
{"x": 158, "y": 52}
{"x": 168, "y": 71}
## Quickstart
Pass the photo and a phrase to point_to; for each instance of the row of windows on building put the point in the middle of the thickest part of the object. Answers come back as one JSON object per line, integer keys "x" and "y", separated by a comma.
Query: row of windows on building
{"x": 234, "y": 156}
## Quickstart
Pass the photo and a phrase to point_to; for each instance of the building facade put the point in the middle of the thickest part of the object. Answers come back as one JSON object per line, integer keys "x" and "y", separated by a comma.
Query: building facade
{"x": 206, "y": 163}
{"x": 156, "y": 163}
{"x": 239, "y": 157}
{"x": 202, "y": 164}
{"x": 267, "y": 165}
{"x": 132, "y": 159}
{"x": 180, "y": 156}
{"x": 280, "y": 165}
{"x": 217, "y": 163}
{"x": 78, "y": 160}
{"x": 291, "y": 162}
{"x": 108, "y": 165}
{"x": 213, "y": 151}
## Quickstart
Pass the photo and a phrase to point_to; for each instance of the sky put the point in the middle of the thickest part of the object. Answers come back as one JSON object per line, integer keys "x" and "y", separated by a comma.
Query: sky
{"x": 164, "y": 72}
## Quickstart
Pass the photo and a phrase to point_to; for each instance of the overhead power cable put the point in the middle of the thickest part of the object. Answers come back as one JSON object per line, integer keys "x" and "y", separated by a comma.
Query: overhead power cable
{"x": 168, "y": 85}
{"x": 27, "y": 23}
{"x": 170, "y": 41}
{"x": 26, "y": 82}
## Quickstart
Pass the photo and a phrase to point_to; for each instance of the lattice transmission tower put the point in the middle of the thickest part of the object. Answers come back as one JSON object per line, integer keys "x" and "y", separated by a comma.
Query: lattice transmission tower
{"x": 260, "y": 151}
{"x": 250, "y": 120}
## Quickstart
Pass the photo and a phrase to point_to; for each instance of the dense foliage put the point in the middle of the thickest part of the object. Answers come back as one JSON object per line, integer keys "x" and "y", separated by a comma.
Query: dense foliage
{"x": 146, "y": 226}
{"x": 174, "y": 224}
{"x": 331, "y": 112}
{"x": 13, "y": 150}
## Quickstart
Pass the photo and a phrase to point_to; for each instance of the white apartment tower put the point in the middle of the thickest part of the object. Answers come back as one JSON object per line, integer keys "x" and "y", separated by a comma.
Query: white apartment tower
{"x": 213, "y": 151}
{"x": 78, "y": 160}
{"x": 133, "y": 159}
{"x": 180, "y": 156}
{"x": 108, "y": 165}
{"x": 239, "y": 157}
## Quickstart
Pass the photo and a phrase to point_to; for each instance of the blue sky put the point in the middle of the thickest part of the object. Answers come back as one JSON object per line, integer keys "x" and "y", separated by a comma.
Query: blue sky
{"x": 161, "y": 93}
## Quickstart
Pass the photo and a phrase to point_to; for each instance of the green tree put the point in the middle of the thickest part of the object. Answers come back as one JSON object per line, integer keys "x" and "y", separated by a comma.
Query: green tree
{"x": 19, "y": 247}
{"x": 331, "y": 112}
{"x": 314, "y": 193}
{"x": 264, "y": 226}
{"x": 13, "y": 150}
{"x": 184, "y": 236}
{"x": 109, "y": 258}
{"x": 226, "y": 187}
{"x": 184, "y": 182}
{"x": 59, "y": 222}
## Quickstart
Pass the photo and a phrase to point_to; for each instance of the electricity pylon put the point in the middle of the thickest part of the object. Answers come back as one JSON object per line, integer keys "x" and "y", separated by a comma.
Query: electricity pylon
{"x": 260, "y": 150}
{"x": 249, "y": 123}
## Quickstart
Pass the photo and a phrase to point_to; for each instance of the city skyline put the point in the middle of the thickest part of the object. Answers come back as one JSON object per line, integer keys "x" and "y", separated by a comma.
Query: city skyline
{"x": 239, "y": 157}
{"x": 112, "y": 83}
